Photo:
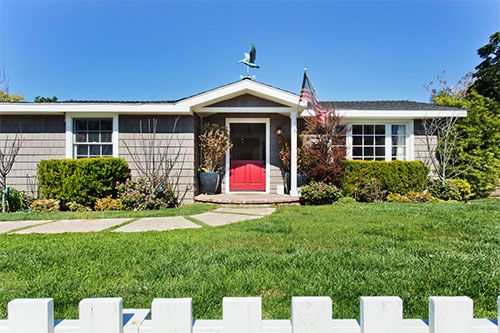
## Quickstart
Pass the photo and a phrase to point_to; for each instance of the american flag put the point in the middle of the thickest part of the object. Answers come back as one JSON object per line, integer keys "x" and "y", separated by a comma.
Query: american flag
{"x": 308, "y": 94}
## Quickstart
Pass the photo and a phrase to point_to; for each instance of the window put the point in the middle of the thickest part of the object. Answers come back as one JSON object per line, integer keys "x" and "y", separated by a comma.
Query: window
{"x": 380, "y": 142}
{"x": 368, "y": 142}
{"x": 93, "y": 137}
{"x": 398, "y": 141}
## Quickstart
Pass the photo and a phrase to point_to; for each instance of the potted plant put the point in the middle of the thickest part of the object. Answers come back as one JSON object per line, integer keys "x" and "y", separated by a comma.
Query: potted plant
{"x": 214, "y": 144}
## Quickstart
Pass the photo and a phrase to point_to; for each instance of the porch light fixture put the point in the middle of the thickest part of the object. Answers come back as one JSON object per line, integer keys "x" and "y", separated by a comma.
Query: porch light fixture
{"x": 279, "y": 131}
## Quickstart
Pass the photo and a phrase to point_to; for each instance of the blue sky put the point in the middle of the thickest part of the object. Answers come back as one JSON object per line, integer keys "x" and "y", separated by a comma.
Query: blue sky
{"x": 147, "y": 50}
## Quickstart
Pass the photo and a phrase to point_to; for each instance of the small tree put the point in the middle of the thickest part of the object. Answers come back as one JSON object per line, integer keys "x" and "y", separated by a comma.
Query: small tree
{"x": 155, "y": 158}
{"x": 441, "y": 142}
{"x": 4, "y": 90}
{"x": 214, "y": 144}
{"x": 323, "y": 147}
{"x": 8, "y": 155}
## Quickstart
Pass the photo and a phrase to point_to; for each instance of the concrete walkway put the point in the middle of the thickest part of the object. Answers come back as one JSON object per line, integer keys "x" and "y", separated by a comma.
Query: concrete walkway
{"x": 219, "y": 217}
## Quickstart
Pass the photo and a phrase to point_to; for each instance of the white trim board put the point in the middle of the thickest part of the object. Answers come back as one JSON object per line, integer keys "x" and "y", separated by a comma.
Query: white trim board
{"x": 266, "y": 121}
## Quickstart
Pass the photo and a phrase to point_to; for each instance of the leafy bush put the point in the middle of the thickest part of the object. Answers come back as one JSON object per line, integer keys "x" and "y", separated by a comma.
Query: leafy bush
{"x": 393, "y": 177}
{"x": 317, "y": 193}
{"x": 137, "y": 194}
{"x": 346, "y": 200}
{"x": 370, "y": 190}
{"x": 452, "y": 189}
{"x": 45, "y": 205}
{"x": 17, "y": 201}
{"x": 410, "y": 197}
{"x": 76, "y": 207}
{"x": 109, "y": 203}
{"x": 82, "y": 181}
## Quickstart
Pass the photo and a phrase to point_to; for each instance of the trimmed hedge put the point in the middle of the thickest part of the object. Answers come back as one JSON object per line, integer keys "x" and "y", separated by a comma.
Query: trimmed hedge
{"x": 398, "y": 177}
{"x": 81, "y": 180}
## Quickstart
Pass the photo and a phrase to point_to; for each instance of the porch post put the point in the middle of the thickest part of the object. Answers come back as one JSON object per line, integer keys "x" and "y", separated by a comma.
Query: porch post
{"x": 293, "y": 154}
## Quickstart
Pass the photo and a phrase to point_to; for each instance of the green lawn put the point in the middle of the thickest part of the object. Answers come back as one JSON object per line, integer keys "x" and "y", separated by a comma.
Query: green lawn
{"x": 182, "y": 210}
{"x": 343, "y": 251}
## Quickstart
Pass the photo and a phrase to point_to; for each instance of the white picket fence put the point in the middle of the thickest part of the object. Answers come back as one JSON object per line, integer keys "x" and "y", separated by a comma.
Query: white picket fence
{"x": 244, "y": 315}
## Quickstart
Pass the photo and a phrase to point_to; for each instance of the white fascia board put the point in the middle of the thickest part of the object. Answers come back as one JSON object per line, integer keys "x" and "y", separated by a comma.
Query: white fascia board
{"x": 60, "y": 108}
{"x": 212, "y": 110}
{"x": 396, "y": 114}
{"x": 240, "y": 88}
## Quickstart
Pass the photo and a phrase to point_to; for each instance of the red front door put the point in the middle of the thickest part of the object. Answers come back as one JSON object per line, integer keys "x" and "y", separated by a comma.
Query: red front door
{"x": 247, "y": 175}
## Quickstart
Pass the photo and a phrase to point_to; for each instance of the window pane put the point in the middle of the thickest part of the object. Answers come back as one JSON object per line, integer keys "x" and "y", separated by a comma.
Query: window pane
{"x": 93, "y": 125}
{"x": 380, "y": 129}
{"x": 357, "y": 140}
{"x": 80, "y": 125}
{"x": 368, "y": 151}
{"x": 398, "y": 140}
{"x": 106, "y": 137}
{"x": 106, "y": 124}
{"x": 95, "y": 150}
{"x": 369, "y": 140}
{"x": 380, "y": 151}
{"x": 357, "y": 129}
{"x": 357, "y": 151}
{"x": 380, "y": 140}
{"x": 399, "y": 130}
{"x": 82, "y": 150}
{"x": 368, "y": 129}
{"x": 93, "y": 137}
{"x": 107, "y": 150}
{"x": 378, "y": 158}
{"x": 81, "y": 137}
{"x": 399, "y": 152}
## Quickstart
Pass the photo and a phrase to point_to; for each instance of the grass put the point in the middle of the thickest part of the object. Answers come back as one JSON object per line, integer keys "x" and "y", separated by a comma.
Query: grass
{"x": 182, "y": 210}
{"x": 343, "y": 251}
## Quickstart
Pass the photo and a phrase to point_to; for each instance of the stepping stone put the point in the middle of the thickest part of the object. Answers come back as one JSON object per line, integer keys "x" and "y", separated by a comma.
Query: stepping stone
{"x": 73, "y": 226}
{"x": 12, "y": 225}
{"x": 158, "y": 224}
{"x": 243, "y": 210}
{"x": 219, "y": 219}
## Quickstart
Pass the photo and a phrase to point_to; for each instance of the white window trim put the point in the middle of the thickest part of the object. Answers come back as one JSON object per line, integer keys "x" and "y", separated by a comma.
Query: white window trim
{"x": 409, "y": 153}
{"x": 266, "y": 121}
{"x": 69, "y": 118}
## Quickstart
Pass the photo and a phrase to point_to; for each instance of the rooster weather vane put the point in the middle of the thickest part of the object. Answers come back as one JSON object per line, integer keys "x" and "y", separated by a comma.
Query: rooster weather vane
{"x": 249, "y": 60}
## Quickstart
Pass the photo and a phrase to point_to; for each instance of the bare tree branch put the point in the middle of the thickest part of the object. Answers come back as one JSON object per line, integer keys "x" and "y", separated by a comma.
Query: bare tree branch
{"x": 156, "y": 159}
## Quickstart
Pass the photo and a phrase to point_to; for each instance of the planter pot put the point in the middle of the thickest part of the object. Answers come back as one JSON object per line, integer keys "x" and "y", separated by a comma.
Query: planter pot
{"x": 209, "y": 182}
{"x": 301, "y": 180}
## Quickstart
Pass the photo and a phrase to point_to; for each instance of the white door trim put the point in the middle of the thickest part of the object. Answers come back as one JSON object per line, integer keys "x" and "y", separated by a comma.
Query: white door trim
{"x": 266, "y": 121}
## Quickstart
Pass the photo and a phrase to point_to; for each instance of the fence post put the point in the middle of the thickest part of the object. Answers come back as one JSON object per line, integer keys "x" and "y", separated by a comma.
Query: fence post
{"x": 450, "y": 314}
{"x": 101, "y": 315}
{"x": 242, "y": 314}
{"x": 311, "y": 314}
{"x": 172, "y": 315}
{"x": 31, "y": 315}
{"x": 381, "y": 314}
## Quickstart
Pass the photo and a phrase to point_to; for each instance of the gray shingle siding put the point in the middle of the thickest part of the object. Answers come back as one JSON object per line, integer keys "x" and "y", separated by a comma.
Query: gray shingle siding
{"x": 44, "y": 138}
{"x": 179, "y": 138}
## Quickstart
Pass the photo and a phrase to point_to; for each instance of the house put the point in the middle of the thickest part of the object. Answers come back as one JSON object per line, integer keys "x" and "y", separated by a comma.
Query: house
{"x": 255, "y": 114}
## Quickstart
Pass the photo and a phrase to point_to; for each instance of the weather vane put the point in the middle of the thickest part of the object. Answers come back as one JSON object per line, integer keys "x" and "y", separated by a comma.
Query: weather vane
{"x": 249, "y": 61}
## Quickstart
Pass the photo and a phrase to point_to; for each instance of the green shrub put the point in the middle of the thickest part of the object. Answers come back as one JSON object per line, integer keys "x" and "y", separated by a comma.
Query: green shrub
{"x": 393, "y": 177}
{"x": 82, "y": 181}
{"x": 109, "y": 203}
{"x": 45, "y": 205}
{"x": 17, "y": 201}
{"x": 410, "y": 197}
{"x": 76, "y": 207}
{"x": 370, "y": 190}
{"x": 346, "y": 200}
{"x": 136, "y": 194}
{"x": 317, "y": 193}
{"x": 452, "y": 189}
